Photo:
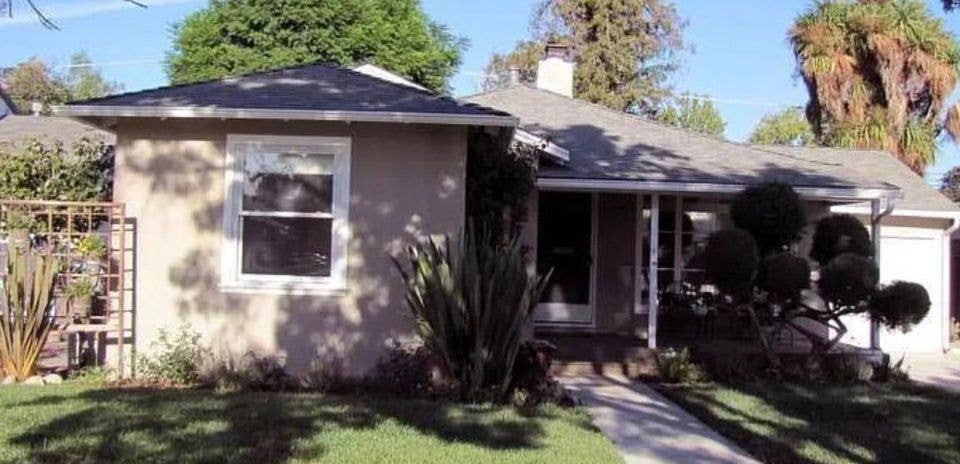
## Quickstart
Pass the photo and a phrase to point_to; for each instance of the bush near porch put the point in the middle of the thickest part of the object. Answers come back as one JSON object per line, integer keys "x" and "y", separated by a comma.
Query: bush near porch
{"x": 71, "y": 423}
{"x": 803, "y": 422}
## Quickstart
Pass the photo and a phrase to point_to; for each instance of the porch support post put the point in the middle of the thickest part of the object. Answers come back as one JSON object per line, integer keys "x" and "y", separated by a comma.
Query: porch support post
{"x": 653, "y": 302}
{"x": 875, "y": 218}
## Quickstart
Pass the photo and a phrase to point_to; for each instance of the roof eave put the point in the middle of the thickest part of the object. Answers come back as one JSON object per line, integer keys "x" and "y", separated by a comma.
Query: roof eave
{"x": 616, "y": 185}
{"x": 87, "y": 111}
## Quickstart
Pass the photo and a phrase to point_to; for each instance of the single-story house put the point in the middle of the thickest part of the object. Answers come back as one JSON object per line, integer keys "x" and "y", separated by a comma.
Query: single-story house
{"x": 266, "y": 205}
{"x": 18, "y": 130}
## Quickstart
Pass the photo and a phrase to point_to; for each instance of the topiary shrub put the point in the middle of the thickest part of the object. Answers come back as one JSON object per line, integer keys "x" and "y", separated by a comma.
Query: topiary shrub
{"x": 731, "y": 261}
{"x": 900, "y": 305}
{"x": 839, "y": 234}
{"x": 772, "y": 213}
{"x": 849, "y": 280}
{"x": 784, "y": 275}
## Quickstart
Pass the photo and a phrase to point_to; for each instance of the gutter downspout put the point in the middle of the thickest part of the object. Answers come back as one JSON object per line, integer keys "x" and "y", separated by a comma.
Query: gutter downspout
{"x": 876, "y": 216}
{"x": 947, "y": 280}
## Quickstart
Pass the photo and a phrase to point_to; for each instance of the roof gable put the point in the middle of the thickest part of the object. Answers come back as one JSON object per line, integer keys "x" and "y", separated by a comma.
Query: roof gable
{"x": 314, "y": 91}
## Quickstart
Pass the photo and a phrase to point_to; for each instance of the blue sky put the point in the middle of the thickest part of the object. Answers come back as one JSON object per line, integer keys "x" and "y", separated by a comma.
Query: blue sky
{"x": 740, "y": 55}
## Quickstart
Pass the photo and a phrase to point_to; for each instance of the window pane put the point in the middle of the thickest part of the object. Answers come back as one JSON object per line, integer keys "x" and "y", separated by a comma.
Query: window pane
{"x": 287, "y": 246}
{"x": 288, "y": 182}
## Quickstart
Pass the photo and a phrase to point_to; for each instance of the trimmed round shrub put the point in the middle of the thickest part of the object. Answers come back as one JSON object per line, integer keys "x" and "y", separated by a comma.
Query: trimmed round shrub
{"x": 901, "y": 305}
{"x": 838, "y": 234}
{"x": 772, "y": 213}
{"x": 849, "y": 279}
{"x": 784, "y": 275}
{"x": 731, "y": 261}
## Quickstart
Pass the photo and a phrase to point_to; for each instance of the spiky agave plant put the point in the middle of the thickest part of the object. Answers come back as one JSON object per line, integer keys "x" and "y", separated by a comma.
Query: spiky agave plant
{"x": 471, "y": 300}
{"x": 878, "y": 73}
{"x": 26, "y": 314}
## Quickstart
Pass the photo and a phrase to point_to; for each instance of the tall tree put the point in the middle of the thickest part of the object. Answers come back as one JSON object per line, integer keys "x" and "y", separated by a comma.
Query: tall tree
{"x": 878, "y": 73}
{"x": 785, "y": 127}
{"x": 34, "y": 82}
{"x": 524, "y": 58}
{"x": 232, "y": 37}
{"x": 950, "y": 184}
{"x": 693, "y": 112}
{"x": 84, "y": 81}
{"x": 625, "y": 49}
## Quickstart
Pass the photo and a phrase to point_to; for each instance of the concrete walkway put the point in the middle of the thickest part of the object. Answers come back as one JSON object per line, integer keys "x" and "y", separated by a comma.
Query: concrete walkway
{"x": 646, "y": 427}
{"x": 939, "y": 370}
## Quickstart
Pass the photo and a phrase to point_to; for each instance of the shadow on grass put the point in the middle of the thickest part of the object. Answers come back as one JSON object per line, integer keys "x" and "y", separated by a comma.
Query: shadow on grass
{"x": 799, "y": 423}
{"x": 199, "y": 426}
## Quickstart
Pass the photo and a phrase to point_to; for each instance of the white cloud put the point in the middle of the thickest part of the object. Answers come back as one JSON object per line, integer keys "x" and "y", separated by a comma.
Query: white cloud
{"x": 68, "y": 10}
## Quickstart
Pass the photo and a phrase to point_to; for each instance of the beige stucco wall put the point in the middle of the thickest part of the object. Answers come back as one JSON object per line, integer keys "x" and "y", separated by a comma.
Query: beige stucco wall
{"x": 405, "y": 180}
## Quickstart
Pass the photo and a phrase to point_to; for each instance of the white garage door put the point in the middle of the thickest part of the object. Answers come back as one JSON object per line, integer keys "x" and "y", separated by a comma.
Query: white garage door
{"x": 917, "y": 258}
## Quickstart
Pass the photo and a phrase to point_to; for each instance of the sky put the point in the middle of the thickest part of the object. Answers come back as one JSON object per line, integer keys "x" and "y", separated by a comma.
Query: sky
{"x": 738, "y": 50}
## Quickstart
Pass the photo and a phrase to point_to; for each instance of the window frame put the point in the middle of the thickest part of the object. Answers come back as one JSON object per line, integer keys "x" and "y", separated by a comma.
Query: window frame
{"x": 232, "y": 278}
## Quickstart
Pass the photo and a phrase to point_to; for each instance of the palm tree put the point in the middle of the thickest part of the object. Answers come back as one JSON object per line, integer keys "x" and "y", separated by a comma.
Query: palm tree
{"x": 878, "y": 73}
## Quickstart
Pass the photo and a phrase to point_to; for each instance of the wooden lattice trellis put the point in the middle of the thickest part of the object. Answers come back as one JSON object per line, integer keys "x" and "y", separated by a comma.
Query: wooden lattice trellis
{"x": 61, "y": 229}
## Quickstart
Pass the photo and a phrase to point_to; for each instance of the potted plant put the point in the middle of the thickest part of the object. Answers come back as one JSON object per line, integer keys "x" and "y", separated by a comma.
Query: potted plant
{"x": 18, "y": 227}
{"x": 79, "y": 295}
{"x": 92, "y": 249}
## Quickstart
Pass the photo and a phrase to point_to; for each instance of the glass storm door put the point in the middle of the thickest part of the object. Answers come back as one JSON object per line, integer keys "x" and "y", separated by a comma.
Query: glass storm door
{"x": 565, "y": 246}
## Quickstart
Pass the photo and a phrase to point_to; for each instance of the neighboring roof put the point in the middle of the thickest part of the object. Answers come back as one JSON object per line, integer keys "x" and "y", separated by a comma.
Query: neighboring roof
{"x": 308, "y": 92}
{"x": 880, "y": 165}
{"x": 15, "y": 129}
{"x": 380, "y": 73}
{"x": 607, "y": 145}
{"x": 7, "y": 107}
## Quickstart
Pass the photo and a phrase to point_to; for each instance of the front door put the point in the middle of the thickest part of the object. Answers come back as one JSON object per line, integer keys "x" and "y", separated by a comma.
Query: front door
{"x": 565, "y": 246}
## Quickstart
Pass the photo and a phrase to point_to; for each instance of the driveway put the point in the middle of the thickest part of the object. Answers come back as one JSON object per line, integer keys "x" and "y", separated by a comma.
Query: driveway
{"x": 646, "y": 427}
{"x": 941, "y": 370}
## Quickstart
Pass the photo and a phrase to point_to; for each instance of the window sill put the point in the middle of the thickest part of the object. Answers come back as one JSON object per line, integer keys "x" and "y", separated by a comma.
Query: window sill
{"x": 284, "y": 288}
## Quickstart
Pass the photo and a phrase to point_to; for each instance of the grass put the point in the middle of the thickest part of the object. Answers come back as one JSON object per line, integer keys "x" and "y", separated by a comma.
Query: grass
{"x": 72, "y": 423}
{"x": 803, "y": 423}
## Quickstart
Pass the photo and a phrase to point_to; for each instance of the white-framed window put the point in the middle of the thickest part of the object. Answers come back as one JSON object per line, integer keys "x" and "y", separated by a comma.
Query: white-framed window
{"x": 286, "y": 211}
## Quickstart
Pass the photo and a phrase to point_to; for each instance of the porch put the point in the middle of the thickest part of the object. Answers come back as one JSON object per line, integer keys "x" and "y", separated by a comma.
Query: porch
{"x": 627, "y": 275}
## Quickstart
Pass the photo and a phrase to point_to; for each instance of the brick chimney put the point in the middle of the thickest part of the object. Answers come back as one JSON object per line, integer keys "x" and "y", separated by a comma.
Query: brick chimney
{"x": 555, "y": 71}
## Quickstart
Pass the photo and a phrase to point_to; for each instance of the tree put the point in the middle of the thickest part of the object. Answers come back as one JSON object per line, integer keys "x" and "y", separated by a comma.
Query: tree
{"x": 950, "y": 184}
{"x": 84, "y": 81}
{"x": 772, "y": 213}
{"x": 524, "y": 58}
{"x": 6, "y": 9}
{"x": 878, "y": 73}
{"x": 694, "y": 113}
{"x": 232, "y": 37}
{"x": 785, "y": 127}
{"x": 34, "y": 82}
{"x": 624, "y": 49}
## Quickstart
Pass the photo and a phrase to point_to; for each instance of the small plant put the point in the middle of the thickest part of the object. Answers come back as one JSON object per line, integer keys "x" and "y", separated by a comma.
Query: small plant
{"x": 885, "y": 371}
{"x": 19, "y": 225}
{"x": 81, "y": 288}
{"x": 91, "y": 375}
{"x": 25, "y": 310}
{"x": 325, "y": 375}
{"x": 92, "y": 247}
{"x": 675, "y": 366}
{"x": 173, "y": 360}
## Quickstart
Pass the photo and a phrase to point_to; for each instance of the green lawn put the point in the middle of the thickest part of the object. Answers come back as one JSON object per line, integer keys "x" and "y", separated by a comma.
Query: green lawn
{"x": 799, "y": 423}
{"x": 70, "y": 423}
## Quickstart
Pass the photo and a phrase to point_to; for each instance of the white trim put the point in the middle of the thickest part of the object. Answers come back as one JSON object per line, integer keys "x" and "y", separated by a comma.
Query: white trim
{"x": 558, "y": 153}
{"x": 611, "y": 185}
{"x": 231, "y": 277}
{"x": 857, "y": 209}
{"x": 653, "y": 306}
{"x": 945, "y": 291}
{"x": 286, "y": 115}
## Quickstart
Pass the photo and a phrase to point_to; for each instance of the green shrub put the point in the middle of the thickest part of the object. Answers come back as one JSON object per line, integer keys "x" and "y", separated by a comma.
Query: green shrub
{"x": 173, "y": 360}
{"x": 772, "y": 213}
{"x": 849, "y": 280}
{"x": 839, "y": 234}
{"x": 91, "y": 375}
{"x": 784, "y": 275}
{"x": 471, "y": 302}
{"x": 887, "y": 371}
{"x": 731, "y": 261}
{"x": 900, "y": 305}
{"x": 675, "y": 366}
{"x": 52, "y": 172}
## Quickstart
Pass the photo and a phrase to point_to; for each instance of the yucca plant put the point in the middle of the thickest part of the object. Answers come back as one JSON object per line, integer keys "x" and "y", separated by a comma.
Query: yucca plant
{"x": 26, "y": 310}
{"x": 471, "y": 300}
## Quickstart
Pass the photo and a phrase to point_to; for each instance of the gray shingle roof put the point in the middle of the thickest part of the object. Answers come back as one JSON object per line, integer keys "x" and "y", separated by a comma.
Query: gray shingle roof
{"x": 606, "y": 144}
{"x": 314, "y": 87}
{"x": 15, "y": 129}
{"x": 880, "y": 165}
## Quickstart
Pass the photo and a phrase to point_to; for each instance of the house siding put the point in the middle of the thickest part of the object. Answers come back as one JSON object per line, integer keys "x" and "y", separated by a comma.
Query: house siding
{"x": 405, "y": 182}
{"x": 616, "y": 239}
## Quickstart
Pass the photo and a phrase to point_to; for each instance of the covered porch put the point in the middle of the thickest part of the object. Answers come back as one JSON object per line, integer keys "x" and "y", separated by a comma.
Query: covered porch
{"x": 625, "y": 262}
